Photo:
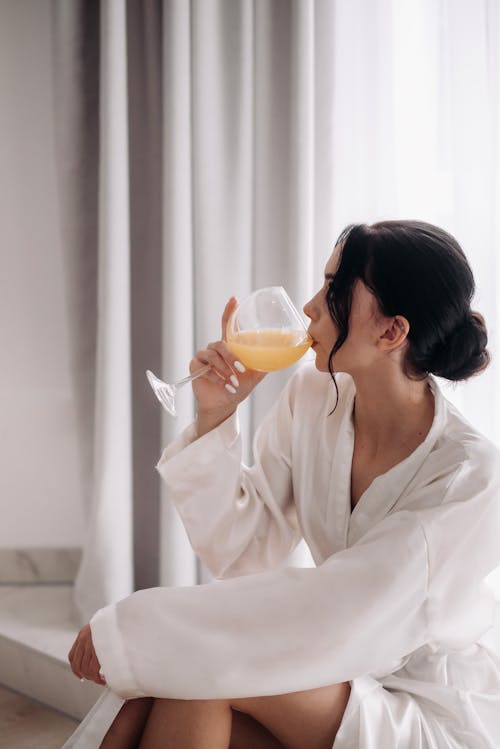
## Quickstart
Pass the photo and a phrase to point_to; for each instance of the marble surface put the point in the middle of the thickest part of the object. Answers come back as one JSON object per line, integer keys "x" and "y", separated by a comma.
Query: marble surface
{"x": 27, "y": 566}
{"x": 39, "y": 616}
{"x": 36, "y": 634}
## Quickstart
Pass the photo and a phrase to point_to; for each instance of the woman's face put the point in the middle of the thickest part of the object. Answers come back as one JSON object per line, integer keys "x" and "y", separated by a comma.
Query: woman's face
{"x": 366, "y": 327}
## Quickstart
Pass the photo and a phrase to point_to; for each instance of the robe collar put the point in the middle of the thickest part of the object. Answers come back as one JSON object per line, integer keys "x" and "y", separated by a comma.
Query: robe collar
{"x": 383, "y": 493}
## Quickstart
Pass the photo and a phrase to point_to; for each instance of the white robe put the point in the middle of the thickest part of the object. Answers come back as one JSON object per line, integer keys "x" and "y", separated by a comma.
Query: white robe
{"x": 398, "y": 604}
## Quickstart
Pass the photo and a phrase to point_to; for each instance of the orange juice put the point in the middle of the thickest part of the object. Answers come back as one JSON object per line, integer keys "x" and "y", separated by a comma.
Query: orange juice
{"x": 268, "y": 349}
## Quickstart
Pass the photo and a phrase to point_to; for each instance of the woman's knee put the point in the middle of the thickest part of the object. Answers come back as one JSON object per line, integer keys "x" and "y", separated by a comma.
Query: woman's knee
{"x": 127, "y": 727}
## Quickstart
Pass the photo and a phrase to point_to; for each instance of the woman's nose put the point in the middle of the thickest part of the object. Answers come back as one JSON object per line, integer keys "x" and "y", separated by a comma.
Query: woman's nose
{"x": 308, "y": 308}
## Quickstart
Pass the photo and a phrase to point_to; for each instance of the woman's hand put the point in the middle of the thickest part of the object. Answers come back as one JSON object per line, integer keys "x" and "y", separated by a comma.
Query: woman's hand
{"x": 219, "y": 391}
{"x": 83, "y": 658}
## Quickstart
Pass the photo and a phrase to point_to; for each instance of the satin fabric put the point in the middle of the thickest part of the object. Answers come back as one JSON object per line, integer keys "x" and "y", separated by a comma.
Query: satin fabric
{"x": 401, "y": 603}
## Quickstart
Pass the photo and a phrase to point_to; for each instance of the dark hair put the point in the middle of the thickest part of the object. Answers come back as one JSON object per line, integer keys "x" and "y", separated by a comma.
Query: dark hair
{"x": 420, "y": 272}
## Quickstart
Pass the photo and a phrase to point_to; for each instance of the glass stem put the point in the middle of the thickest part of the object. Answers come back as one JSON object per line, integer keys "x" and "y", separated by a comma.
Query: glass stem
{"x": 192, "y": 377}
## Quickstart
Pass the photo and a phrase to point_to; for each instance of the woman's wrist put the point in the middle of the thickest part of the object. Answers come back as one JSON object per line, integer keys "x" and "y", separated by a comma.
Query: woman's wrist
{"x": 208, "y": 420}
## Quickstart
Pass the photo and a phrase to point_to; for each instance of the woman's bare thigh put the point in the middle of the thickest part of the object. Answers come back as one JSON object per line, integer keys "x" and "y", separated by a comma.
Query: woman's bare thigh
{"x": 248, "y": 733}
{"x": 299, "y": 720}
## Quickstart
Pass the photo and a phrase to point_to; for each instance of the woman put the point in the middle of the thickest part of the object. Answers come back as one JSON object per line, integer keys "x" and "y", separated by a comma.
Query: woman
{"x": 390, "y": 641}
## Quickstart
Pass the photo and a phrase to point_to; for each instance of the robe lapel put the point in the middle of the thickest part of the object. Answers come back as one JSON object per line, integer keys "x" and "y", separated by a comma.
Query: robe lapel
{"x": 339, "y": 495}
{"x": 384, "y": 492}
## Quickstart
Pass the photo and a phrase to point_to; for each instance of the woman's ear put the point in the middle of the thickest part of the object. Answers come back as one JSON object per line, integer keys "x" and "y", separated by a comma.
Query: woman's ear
{"x": 395, "y": 333}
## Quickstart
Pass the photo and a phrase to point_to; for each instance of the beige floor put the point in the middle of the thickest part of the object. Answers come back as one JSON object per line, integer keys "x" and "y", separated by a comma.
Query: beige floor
{"x": 26, "y": 724}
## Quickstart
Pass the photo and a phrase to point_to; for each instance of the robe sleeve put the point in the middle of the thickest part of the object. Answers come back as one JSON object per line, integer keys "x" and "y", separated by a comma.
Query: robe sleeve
{"x": 277, "y": 631}
{"x": 238, "y": 519}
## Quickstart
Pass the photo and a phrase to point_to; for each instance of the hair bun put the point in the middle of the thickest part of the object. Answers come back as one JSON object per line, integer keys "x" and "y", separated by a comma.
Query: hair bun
{"x": 464, "y": 351}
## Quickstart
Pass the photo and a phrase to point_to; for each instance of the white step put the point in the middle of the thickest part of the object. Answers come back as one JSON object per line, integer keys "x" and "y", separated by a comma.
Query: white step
{"x": 36, "y": 634}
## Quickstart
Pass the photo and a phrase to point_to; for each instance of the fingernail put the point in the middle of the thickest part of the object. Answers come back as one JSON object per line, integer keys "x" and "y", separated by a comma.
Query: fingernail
{"x": 82, "y": 679}
{"x": 230, "y": 388}
{"x": 239, "y": 366}
{"x": 235, "y": 381}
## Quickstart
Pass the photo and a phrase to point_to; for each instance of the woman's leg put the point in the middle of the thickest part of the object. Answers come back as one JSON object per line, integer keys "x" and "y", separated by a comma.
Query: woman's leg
{"x": 126, "y": 730}
{"x": 188, "y": 724}
{"x": 294, "y": 721}
{"x": 300, "y": 719}
{"x": 248, "y": 733}
{"x": 128, "y": 726}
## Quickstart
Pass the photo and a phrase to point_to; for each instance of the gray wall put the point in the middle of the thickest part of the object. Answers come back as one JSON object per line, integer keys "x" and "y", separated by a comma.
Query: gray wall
{"x": 40, "y": 479}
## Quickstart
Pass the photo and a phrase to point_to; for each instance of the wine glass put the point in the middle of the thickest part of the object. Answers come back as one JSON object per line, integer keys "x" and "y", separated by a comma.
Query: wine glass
{"x": 265, "y": 332}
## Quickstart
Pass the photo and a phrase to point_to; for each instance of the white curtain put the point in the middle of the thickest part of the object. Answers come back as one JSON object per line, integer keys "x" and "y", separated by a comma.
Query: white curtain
{"x": 244, "y": 203}
{"x": 106, "y": 572}
{"x": 416, "y": 135}
{"x": 275, "y": 124}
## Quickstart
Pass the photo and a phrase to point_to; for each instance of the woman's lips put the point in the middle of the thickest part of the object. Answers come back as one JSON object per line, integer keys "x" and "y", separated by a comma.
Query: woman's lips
{"x": 314, "y": 342}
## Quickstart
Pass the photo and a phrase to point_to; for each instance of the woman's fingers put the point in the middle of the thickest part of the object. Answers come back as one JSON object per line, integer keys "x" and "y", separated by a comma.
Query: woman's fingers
{"x": 221, "y": 371}
{"x": 92, "y": 670}
{"x": 231, "y": 370}
{"x": 83, "y": 658}
{"x": 90, "y": 664}
{"x": 72, "y": 651}
{"x": 228, "y": 309}
{"x": 76, "y": 658}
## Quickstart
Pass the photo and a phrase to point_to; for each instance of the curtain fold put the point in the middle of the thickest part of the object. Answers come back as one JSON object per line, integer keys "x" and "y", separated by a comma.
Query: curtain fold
{"x": 91, "y": 131}
{"x": 145, "y": 148}
{"x": 237, "y": 138}
{"x": 75, "y": 69}
{"x": 177, "y": 562}
{"x": 105, "y": 573}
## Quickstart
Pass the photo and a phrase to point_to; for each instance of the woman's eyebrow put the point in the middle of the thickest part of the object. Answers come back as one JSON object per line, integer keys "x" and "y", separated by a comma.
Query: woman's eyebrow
{"x": 329, "y": 276}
